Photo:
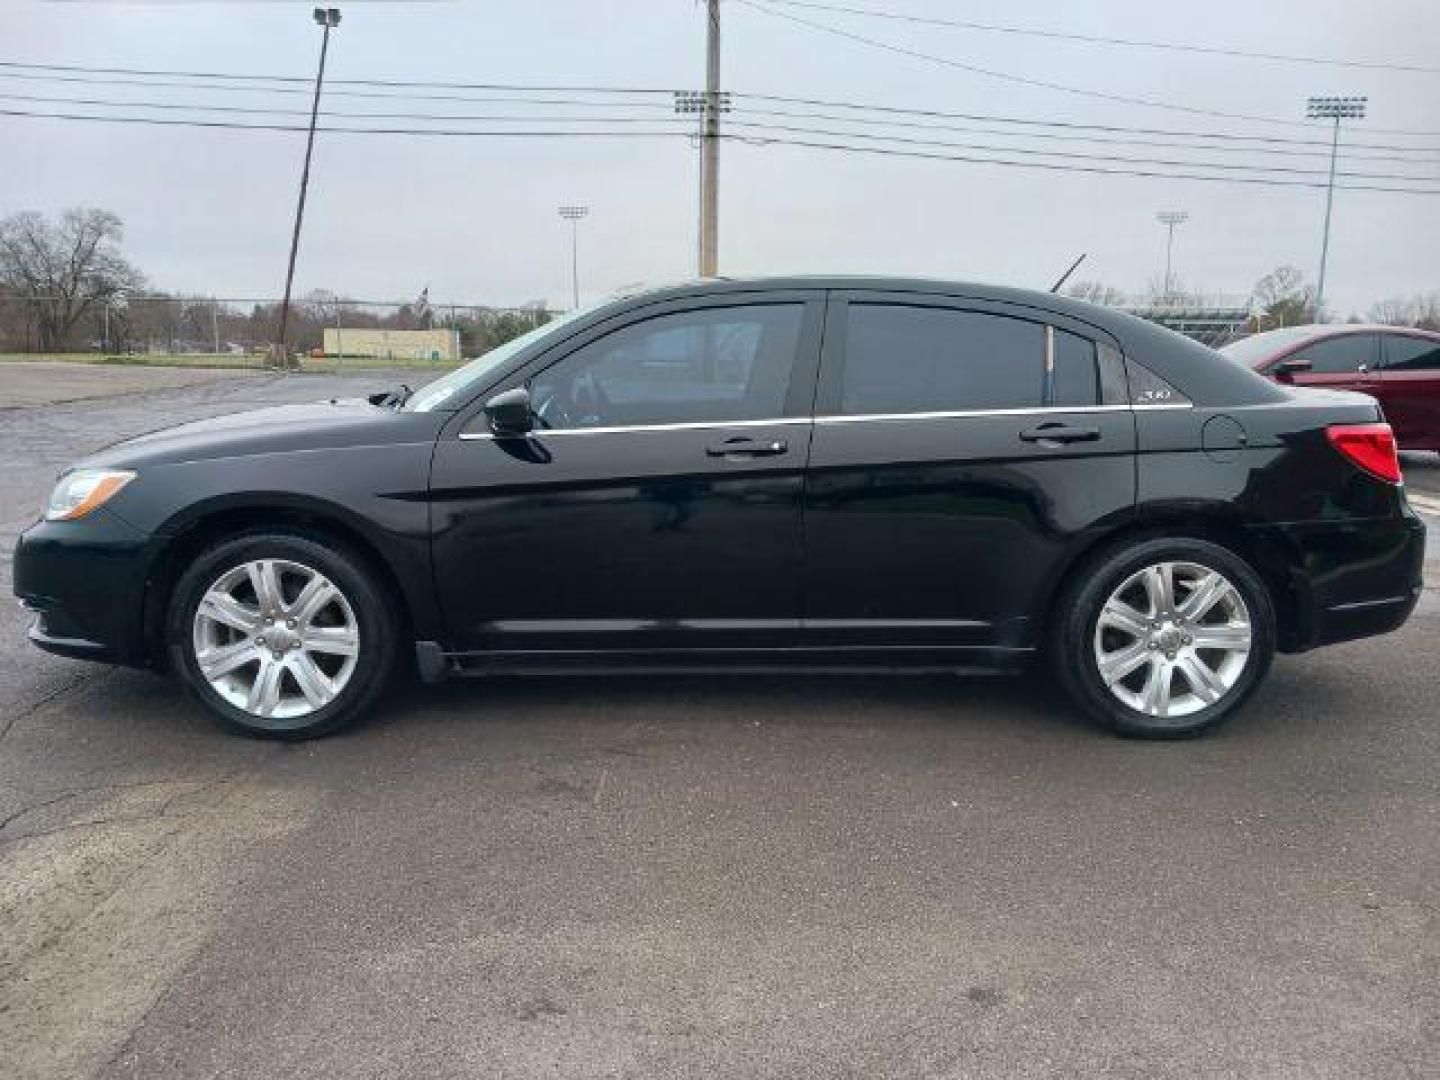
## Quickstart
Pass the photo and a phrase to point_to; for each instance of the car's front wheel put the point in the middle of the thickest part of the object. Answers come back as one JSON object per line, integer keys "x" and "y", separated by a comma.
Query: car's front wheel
{"x": 1165, "y": 637}
{"x": 281, "y": 635}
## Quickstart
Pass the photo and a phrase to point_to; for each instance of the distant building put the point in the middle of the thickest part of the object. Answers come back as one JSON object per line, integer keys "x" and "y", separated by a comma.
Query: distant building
{"x": 439, "y": 345}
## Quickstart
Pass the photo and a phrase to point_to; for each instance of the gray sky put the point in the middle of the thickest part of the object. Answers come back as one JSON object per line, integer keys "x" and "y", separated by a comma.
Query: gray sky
{"x": 210, "y": 211}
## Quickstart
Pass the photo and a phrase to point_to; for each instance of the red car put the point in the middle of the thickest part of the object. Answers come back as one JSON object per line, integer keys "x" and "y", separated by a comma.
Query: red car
{"x": 1398, "y": 366}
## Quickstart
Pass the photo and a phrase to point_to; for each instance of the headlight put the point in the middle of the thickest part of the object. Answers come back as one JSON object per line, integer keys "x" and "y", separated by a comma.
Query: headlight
{"x": 84, "y": 490}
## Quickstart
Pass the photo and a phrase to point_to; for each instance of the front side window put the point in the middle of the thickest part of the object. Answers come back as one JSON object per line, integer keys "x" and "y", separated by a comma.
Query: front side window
{"x": 715, "y": 365}
{"x": 1411, "y": 354}
{"x": 1343, "y": 355}
{"x": 903, "y": 359}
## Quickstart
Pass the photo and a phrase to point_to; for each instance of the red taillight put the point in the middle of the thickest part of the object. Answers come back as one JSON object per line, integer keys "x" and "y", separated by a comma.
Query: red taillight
{"x": 1370, "y": 446}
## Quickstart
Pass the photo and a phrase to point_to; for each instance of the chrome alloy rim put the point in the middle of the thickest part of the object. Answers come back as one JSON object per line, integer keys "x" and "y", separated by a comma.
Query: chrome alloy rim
{"x": 1172, "y": 639}
{"x": 276, "y": 638}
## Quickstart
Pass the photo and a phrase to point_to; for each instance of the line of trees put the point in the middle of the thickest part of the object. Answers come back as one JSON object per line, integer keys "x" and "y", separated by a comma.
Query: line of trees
{"x": 65, "y": 286}
{"x": 1280, "y": 298}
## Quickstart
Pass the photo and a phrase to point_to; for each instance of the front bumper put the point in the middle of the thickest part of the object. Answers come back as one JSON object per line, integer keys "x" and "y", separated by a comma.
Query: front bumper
{"x": 1352, "y": 579}
{"x": 85, "y": 583}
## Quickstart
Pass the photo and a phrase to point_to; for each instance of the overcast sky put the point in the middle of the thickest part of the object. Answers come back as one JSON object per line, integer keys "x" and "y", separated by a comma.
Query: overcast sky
{"x": 475, "y": 218}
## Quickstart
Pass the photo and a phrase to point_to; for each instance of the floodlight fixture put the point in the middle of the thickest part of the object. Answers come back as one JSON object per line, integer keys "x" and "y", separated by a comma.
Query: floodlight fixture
{"x": 1336, "y": 108}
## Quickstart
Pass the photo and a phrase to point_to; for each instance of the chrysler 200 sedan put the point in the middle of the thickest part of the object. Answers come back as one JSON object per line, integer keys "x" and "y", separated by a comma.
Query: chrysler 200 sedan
{"x": 807, "y": 473}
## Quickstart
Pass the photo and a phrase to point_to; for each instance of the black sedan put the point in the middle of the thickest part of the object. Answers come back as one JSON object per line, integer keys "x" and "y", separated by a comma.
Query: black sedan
{"x": 807, "y": 473}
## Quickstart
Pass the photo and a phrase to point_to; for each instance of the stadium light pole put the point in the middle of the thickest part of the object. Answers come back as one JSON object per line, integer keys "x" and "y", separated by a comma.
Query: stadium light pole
{"x": 1336, "y": 109}
{"x": 327, "y": 19}
{"x": 573, "y": 214}
{"x": 1170, "y": 218}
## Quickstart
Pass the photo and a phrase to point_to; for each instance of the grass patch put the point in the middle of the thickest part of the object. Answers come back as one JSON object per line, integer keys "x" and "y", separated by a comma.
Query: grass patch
{"x": 330, "y": 364}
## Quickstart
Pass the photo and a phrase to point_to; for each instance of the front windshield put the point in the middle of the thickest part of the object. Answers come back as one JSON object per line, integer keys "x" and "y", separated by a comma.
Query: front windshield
{"x": 445, "y": 391}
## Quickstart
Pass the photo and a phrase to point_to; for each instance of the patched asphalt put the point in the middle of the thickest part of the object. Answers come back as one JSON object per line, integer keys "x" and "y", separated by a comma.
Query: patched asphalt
{"x": 728, "y": 876}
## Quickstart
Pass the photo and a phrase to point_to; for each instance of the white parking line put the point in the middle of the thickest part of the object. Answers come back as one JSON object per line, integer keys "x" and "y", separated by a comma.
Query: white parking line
{"x": 1425, "y": 504}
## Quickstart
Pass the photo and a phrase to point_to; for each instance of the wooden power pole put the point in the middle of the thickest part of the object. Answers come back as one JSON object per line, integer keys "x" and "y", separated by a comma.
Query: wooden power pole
{"x": 710, "y": 147}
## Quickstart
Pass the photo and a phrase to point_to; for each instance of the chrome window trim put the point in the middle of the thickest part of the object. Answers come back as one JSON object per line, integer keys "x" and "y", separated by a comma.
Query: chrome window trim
{"x": 962, "y": 414}
{"x": 695, "y": 425}
{"x": 791, "y": 421}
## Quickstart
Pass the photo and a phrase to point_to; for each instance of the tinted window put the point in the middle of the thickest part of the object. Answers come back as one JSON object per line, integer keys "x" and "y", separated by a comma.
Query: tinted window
{"x": 915, "y": 359}
{"x": 1338, "y": 355}
{"x": 1076, "y": 379}
{"x": 715, "y": 365}
{"x": 1411, "y": 354}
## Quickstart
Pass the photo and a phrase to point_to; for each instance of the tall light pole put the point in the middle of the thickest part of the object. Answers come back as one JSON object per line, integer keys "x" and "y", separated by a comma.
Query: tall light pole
{"x": 573, "y": 214}
{"x": 1337, "y": 109}
{"x": 1170, "y": 218}
{"x": 327, "y": 19}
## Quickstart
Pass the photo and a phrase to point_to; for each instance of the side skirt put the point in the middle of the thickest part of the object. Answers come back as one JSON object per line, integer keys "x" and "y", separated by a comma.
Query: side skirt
{"x": 435, "y": 664}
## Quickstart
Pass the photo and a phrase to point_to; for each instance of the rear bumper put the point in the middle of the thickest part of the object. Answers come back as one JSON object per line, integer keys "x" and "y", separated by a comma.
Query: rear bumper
{"x": 1351, "y": 579}
{"x": 84, "y": 582}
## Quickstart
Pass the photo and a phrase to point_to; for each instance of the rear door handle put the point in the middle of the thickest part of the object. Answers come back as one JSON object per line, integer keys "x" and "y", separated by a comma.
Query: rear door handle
{"x": 745, "y": 446}
{"x": 1054, "y": 432}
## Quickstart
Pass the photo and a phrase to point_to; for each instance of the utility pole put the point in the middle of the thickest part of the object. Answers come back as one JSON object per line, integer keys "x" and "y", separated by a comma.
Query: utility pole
{"x": 1331, "y": 108}
{"x": 1170, "y": 218}
{"x": 328, "y": 19}
{"x": 710, "y": 146}
{"x": 573, "y": 214}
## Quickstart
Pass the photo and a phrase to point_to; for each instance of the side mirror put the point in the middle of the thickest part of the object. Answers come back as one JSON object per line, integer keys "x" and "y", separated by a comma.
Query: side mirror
{"x": 1291, "y": 365}
{"x": 509, "y": 412}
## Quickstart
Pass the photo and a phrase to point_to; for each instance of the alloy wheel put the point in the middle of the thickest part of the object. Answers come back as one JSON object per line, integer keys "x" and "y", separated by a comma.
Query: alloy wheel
{"x": 1173, "y": 639}
{"x": 275, "y": 638}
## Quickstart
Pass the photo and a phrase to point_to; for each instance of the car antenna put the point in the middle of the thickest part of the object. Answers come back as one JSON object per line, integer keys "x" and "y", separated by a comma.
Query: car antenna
{"x": 1066, "y": 276}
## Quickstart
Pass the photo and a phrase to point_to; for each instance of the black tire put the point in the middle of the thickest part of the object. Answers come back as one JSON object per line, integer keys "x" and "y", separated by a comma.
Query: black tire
{"x": 367, "y": 600}
{"x": 1078, "y": 609}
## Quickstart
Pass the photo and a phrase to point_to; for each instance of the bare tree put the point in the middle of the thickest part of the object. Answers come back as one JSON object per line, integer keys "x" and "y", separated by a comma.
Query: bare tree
{"x": 63, "y": 269}
{"x": 1097, "y": 292}
{"x": 1421, "y": 310}
{"x": 1281, "y": 298}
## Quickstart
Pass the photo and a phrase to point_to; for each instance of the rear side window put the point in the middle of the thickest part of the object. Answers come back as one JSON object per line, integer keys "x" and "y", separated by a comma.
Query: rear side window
{"x": 1411, "y": 354}
{"x": 1075, "y": 377}
{"x": 901, "y": 359}
{"x": 1339, "y": 355}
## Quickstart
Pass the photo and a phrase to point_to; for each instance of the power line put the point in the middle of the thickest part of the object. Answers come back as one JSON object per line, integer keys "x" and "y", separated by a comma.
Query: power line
{"x": 262, "y": 111}
{"x": 1400, "y": 156}
{"x": 156, "y": 121}
{"x": 1224, "y": 166}
{"x": 392, "y": 95}
{"x": 402, "y": 83}
{"x": 1043, "y": 84}
{"x": 424, "y": 117}
{"x": 145, "y": 79}
{"x": 782, "y": 114}
{"x": 1095, "y": 169}
{"x": 830, "y": 103}
{"x": 762, "y": 140}
{"x": 1098, "y": 39}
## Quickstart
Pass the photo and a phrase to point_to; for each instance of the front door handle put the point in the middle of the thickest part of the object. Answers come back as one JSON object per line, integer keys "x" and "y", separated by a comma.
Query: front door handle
{"x": 744, "y": 446}
{"x": 1057, "y": 433}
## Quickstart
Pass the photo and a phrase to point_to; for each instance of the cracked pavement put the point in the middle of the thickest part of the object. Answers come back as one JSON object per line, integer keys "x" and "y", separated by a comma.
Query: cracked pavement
{"x": 696, "y": 877}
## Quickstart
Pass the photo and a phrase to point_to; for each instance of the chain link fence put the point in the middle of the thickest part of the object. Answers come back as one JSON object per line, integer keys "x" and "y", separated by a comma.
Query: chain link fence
{"x": 242, "y": 332}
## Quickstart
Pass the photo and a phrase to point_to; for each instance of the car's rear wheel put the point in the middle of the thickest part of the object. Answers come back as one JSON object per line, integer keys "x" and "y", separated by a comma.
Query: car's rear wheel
{"x": 281, "y": 635}
{"x": 1164, "y": 638}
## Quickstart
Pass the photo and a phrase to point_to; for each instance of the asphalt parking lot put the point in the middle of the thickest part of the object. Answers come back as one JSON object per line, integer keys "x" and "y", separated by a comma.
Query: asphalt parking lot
{"x": 796, "y": 877}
